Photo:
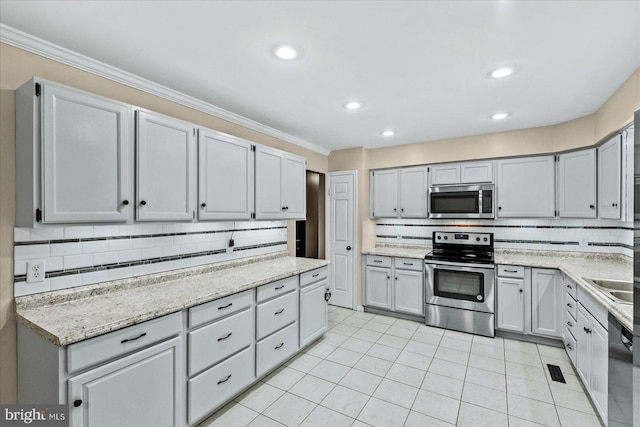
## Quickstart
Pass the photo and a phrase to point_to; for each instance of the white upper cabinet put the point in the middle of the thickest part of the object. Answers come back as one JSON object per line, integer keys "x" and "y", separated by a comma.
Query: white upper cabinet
{"x": 280, "y": 185}
{"x": 413, "y": 192}
{"x": 462, "y": 173}
{"x": 526, "y": 187}
{"x": 627, "y": 172}
{"x": 609, "y": 158}
{"x": 577, "y": 184}
{"x": 225, "y": 177}
{"x": 166, "y": 168}
{"x": 384, "y": 193}
{"x": 75, "y": 165}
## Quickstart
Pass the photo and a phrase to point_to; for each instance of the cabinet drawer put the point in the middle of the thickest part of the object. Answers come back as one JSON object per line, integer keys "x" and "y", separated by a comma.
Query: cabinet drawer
{"x": 516, "y": 271}
{"x": 113, "y": 344}
{"x": 379, "y": 261}
{"x": 212, "y": 343}
{"x": 275, "y": 349}
{"x": 216, "y": 309}
{"x": 570, "y": 346}
{"x": 571, "y": 306}
{"x": 313, "y": 276}
{"x": 214, "y": 387}
{"x": 571, "y": 288}
{"x": 275, "y": 289}
{"x": 570, "y": 323}
{"x": 275, "y": 314}
{"x": 409, "y": 264}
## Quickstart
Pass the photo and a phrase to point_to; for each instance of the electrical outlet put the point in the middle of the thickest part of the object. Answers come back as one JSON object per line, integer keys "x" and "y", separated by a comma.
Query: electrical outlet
{"x": 35, "y": 271}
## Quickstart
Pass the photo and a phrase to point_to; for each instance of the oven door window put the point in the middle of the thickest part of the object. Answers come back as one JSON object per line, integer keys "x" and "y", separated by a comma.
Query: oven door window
{"x": 458, "y": 202}
{"x": 460, "y": 285}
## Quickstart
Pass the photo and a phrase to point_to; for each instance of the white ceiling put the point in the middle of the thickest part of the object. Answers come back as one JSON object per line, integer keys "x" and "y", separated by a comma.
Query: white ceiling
{"x": 420, "y": 67}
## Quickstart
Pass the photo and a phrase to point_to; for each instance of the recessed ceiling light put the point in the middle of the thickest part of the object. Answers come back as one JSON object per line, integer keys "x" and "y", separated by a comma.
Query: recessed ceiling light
{"x": 353, "y": 105}
{"x": 388, "y": 132}
{"x": 501, "y": 72}
{"x": 287, "y": 52}
{"x": 500, "y": 116}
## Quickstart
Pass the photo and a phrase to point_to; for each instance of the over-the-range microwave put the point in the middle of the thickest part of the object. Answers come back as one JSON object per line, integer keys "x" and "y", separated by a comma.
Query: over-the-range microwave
{"x": 462, "y": 201}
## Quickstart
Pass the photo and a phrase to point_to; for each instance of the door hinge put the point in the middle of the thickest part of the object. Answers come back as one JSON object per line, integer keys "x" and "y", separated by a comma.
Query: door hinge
{"x": 38, "y": 88}
{"x": 38, "y": 215}
{"x": 428, "y": 169}
{"x": 373, "y": 173}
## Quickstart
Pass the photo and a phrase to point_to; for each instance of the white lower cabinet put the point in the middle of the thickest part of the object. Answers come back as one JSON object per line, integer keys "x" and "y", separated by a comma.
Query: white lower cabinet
{"x": 377, "y": 292}
{"x": 276, "y": 348}
{"x": 547, "y": 296}
{"x": 314, "y": 311}
{"x": 408, "y": 292}
{"x": 395, "y": 284}
{"x": 510, "y": 304}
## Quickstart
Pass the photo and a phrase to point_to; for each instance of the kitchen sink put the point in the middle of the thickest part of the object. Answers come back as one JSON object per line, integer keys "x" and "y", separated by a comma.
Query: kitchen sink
{"x": 617, "y": 290}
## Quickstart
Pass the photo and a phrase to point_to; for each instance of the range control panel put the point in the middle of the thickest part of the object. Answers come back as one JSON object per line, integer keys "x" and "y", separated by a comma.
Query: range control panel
{"x": 441, "y": 238}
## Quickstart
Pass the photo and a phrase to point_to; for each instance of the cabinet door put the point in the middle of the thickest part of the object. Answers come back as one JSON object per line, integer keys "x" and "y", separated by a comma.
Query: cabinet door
{"x": 384, "y": 194}
{"x": 294, "y": 187}
{"x": 583, "y": 343}
{"x": 313, "y": 312}
{"x": 609, "y": 155}
{"x": 510, "y": 309}
{"x": 472, "y": 172}
{"x": 445, "y": 174}
{"x": 526, "y": 187}
{"x": 86, "y": 157}
{"x": 546, "y": 302}
{"x": 269, "y": 164}
{"x": 408, "y": 292}
{"x": 413, "y": 192}
{"x": 377, "y": 287}
{"x": 598, "y": 385}
{"x": 225, "y": 177}
{"x": 142, "y": 389}
{"x": 577, "y": 184}
{"x": 166, "y": 168}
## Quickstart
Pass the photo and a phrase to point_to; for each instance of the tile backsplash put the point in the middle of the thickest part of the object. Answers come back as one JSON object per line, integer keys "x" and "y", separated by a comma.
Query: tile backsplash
{"x": 588, "y": 235}
{"x": 83, "y": 255}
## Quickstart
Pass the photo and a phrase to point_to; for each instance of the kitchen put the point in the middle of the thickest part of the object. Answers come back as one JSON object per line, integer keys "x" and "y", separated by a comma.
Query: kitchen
{"x": 138, "y": 241}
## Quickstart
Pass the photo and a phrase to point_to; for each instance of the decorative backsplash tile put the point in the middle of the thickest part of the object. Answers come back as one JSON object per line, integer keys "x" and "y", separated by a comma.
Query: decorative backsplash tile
{"x": 591, "y": 235}
{"x": 82, "y": 255}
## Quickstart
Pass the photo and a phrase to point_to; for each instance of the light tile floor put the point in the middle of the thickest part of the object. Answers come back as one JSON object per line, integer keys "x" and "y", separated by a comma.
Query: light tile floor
{"x": 372, "y": 370}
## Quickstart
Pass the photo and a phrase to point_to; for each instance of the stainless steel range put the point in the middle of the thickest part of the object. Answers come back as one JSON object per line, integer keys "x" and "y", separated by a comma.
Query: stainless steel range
{"x": 459, "y": 283}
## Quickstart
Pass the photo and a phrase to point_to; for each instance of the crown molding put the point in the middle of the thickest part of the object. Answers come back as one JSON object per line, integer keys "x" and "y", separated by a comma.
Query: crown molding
{"x": 24, "y": 41}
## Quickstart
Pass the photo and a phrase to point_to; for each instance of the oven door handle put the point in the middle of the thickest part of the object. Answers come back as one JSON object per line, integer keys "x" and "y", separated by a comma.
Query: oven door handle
{"x": 465, "y": 265}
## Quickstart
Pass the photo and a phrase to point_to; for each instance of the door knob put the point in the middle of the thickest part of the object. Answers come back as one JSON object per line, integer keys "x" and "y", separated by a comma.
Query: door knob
{"x": 348, "y": 248}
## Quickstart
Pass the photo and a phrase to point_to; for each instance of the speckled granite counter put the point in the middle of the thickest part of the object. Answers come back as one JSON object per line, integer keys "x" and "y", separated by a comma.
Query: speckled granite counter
{"x": 72, "y": 315}
{"x": 401, "y": 251}
{"x": 577, "y": 265}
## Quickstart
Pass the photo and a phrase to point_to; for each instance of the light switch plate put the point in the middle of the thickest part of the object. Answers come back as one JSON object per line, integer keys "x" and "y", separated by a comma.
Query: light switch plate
{"x": 35, "y": 271}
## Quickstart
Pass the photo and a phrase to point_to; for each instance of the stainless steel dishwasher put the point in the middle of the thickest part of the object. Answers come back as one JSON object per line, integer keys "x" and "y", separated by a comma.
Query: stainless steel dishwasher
{"x": 620, "y": 375}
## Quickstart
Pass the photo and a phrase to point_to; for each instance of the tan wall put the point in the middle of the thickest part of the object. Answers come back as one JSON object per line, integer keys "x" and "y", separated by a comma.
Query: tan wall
{"x": 18, "y": 66}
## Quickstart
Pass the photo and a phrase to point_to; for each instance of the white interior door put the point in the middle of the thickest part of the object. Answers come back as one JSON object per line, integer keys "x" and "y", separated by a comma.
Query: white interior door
{"x": 342, "y": 238}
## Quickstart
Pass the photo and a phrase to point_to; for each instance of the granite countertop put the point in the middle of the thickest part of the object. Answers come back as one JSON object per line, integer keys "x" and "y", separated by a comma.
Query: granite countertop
{"x": 400, "y": 251}
{"x": 577, "y": 265}
{"x": 71, "y": 315}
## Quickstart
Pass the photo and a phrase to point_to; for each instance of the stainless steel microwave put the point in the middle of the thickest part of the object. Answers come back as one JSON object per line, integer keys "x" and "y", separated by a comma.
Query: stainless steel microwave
{"x": 462, "y": 201}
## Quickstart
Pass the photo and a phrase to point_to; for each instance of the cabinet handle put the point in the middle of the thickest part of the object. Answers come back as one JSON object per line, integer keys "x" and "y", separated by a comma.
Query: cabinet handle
{"x": 277, "y": 288}
{"x": 407, "y": 263}
{"x": 499, "y": 208}
{"x": 569, "y": 347}
{"x": 279, "y": 311}
{"x": 224, "y": 380}
{"x": 511, "y": 271}
{"x": 388, "y": 277}
{"x": 203, "y": 205}
{"x": 278, "y": 346}
{"x": 569, "y": 305}
{"x": 316, "y": 275}
{"x": 143, "y": 202}
{"x": 144, "y": 334}
{"x": 521, "y": 291}
{"x": 225, "y": 337}
{"x": 377, "y": 260}
{"x": 396, "y": 278}
{"x": 615, "y": 205}
{"x": 225, "y": 306}
{"x": 587, "y": 330}
{"x": 125, "y": 202}
{"x": 592, "y": 206}
{"x": 284, "y": 208}
{"x": 569, "y": 287}
{"x": 569, "y": 324}
{"x": 402, "y": 210}
{"x": 77, "y": 402}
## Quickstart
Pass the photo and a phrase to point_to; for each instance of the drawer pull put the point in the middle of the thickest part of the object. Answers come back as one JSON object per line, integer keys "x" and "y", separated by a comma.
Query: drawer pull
{"x": 569, "y": 305}
{"x": 511, "y": 271}
{"x": 278, "y": 287}
{"x": 569, "y": 346}
{"x": 224, "y": 380}
{"x": 279, "y": 311}
{"x": 569, "y": 287}
{"x": 144, "y": 334}
{"x": 569, "y": 324}
{"x": 225, "y": 306}
{"x": 587, "y": 330}
{"x": 225, "y": 337}
{"x": 278, "y": 346}
{"x": 407, "y": 263}
{"x": 316, "y": 275}
{"x": 377, "y": 260}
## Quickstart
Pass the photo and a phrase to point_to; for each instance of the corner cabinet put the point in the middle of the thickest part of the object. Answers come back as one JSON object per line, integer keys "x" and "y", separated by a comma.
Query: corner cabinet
{"x": 280, "y": 185}
{"x": 225, "y": 177}
{"x": 547, "y": 302}
{"x": 609, "y": 165}
{"x": 526, "y": 187}
{"x": 74, "y": 156}
{"x": 166, "y": 168}
{"x": 577, "y": 184}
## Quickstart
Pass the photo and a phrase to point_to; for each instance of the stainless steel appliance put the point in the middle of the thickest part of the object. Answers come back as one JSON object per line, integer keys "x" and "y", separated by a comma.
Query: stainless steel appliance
{"x": 636, "y": 269}
{"x": 462, "y": 201}
{"x": 620, "y": 407}
{"x": 459, "y": 283}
